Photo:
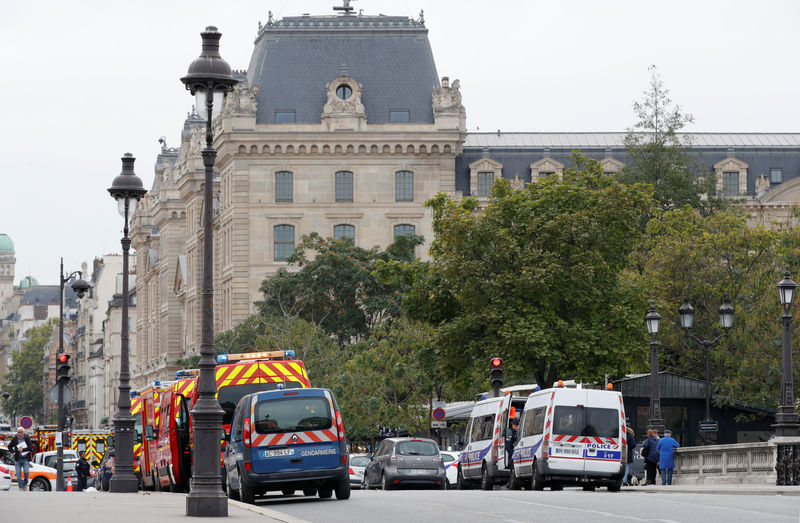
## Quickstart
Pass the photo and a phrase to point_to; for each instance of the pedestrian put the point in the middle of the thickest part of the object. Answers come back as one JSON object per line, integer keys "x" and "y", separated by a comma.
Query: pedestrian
{"x": 84, "y": 470}
{"x": 651, "y": 457}
{"x": 666, "y": 448}
{"x": 22, "y": 447}
{"x": 630, "y": 439}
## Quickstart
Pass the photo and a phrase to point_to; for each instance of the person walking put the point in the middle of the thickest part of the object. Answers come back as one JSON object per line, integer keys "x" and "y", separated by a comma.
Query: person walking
{"x": 84, "y": 470}
{"x": 666, "y": 448}
{"x": 651, "y": 456}
{"x": 22, "y": 447}
{"x": 630, "y": 440}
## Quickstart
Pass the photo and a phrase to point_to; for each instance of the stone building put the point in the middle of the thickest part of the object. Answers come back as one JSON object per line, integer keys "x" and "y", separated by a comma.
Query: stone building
{"x": 342, "y": 125}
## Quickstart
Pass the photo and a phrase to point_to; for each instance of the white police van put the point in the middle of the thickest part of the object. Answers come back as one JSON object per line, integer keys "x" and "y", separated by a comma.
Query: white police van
{"x": 483, "y": 458}
{"x": 571, "y": 437}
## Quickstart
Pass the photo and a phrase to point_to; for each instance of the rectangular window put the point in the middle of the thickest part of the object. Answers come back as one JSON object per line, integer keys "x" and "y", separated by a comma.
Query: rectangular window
{"x": 776, "y": 175}
{"x": 485, "y": 181}
{"x": 292, "y": 415}
{"x": 344, "y": 231}
{"x": 284, "y": 117}
{"x": 404, "y": 186}
{"x": 730, "y": 183}
{"x": 586, "y": 421}
{"x": 344, "y": 186}
{"x": 533, "y": 421}
{"x": 400, "y": 116}
{"x": 545, "y": 174}
{"x": 284, "y": 243}
{"x": 403, "y": 230}
{"x": 283, "y": 186}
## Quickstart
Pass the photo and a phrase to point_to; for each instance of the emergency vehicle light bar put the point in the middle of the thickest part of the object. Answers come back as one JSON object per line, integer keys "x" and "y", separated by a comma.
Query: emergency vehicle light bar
{"x": 269, "y": 355}
{"x": 185, "y": 373}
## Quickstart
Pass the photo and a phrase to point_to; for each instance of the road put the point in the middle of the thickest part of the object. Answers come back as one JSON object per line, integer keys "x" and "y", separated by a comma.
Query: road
{"x": 552, "y": 507}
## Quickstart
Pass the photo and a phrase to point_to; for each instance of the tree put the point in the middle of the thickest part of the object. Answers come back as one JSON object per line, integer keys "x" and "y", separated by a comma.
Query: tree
{"x": 659, "y": 154}
{"x": 23, "y": 382}
{"x": 536, "y": 275}
{"x": 335, "y": 288}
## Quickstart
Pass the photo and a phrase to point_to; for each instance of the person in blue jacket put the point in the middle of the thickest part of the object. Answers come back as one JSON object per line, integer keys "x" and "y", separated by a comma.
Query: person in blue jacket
{"x": 651, "y": 456}
{"x": 666, "y": 447}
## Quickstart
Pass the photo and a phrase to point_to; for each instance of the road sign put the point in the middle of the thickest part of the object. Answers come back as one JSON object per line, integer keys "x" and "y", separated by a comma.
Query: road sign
{"x": 438, "y": 414}
{"x": 438, "y": 424}
{"x": 709, "y": 425}
{"x": 54, "y": 394}
{"x": 26, "y": 422}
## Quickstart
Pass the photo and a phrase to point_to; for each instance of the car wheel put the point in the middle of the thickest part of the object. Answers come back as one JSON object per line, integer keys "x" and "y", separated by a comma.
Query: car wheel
{"x": 588, "y": 488}
{"x": 288, "y": 492}
{"x": 486, "y": 481}
{"x": 537, "y": 483}
{"x": 461, "y": 483}
{"x": 615, "y": 487}
{"x": 39, "y": 485}
{"x": 309, "y": 492}
{"x": 325, "y": 492}
{"x": 514, "y": 482}
{"x": 385, "y": 485}
{"x": 246, "y": 494}
{"x": 343, "y": 489}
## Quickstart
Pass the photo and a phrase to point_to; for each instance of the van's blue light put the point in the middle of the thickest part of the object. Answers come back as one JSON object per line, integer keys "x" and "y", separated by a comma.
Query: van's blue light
{"x": 483, "y": 396}
{"x": 157, "y": 383}
{"x": 289, "y": 354}
{"x": 537, "y": 388}
{"x": 280, "y": 385}
{"x": 222, "y": 358}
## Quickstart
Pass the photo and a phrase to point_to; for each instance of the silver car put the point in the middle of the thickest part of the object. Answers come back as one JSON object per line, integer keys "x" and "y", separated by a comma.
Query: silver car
{"x": 406, "y": 462}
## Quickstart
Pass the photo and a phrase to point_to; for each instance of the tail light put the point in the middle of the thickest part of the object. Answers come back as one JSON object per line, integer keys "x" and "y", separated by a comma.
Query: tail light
{"x": 3, "y": 469}
{"x": 437, "y": 458}
{"x": 545, "y": 448}
{"x": 623, "y": 457}
{"x": 350, "y": 471}
{"x": 339, "y": 425}
{"x": 246, "y": 432}
{"x": 396, "y": 459}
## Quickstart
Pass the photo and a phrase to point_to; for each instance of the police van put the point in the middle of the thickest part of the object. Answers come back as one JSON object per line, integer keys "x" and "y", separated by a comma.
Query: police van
{"x": 484, "y": 459}
{"x": 571, "y": 437}
{"x": 284, "y": 440}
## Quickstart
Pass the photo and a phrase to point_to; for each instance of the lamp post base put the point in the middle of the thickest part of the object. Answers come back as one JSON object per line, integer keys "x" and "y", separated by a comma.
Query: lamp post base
{"x": 786, "y": 422}
{"x": 124, "y": 485}
{"x": 207, "y": 504}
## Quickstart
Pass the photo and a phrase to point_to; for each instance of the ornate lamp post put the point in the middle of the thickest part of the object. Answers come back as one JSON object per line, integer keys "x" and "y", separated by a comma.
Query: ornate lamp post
{"x": 80, "y": 287}
{"x": 652, "y": 319}
{"x": 209, "y": 79}
{"x": 127, "y": 189}
{"x": 786, "y": 421}
{"x": 686, "y": 312}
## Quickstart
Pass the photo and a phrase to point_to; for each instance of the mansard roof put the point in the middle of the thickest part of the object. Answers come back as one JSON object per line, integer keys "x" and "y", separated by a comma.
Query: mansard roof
{"x": 617, "y": 140}
{"x": 390, "y": 56}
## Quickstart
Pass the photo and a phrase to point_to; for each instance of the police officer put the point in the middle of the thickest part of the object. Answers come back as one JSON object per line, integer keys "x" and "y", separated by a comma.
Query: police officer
{"x": 511, "y": 439}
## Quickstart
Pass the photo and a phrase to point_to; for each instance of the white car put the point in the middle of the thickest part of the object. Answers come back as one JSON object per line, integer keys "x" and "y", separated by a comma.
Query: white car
{"x": 357, "y": 464}
{"x": 450, "y": 460}
{"x": 5, "y": 477}
{"x": 41, "y": 478}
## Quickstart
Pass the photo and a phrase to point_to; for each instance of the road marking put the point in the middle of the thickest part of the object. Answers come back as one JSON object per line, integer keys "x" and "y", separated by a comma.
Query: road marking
{"x": 594, "y": 511}
{"x": 722, "y": 507}
{"x": 274, "y": 514}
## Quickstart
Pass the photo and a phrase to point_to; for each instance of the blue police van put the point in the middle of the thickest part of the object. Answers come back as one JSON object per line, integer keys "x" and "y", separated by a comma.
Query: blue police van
{"x": 287, "y": 440}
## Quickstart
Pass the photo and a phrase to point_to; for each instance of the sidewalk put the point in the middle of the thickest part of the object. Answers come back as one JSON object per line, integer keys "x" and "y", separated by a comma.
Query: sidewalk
{"x": 88, "y": 507}
{"x": 736, "y": 490}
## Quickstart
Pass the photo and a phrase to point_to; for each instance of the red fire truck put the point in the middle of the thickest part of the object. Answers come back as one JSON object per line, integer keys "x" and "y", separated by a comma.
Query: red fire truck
{"x": 147, "y": 416}
{"x": 237, "y": 375}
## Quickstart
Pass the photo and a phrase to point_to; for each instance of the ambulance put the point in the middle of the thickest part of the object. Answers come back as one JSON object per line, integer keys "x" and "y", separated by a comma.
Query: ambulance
{"x": 484, "y": 459}
{"x": 237, "y": 375}
{"x": 571, "y": 436}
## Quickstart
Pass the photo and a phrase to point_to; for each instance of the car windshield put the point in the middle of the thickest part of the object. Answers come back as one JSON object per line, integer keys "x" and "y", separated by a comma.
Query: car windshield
{"x": 359, "y": 461}
{"x": 417, "y": 448}
{"x": 291, "y": 414}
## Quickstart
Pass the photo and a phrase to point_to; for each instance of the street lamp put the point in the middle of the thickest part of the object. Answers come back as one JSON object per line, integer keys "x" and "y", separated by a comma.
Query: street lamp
{"x": 686, "y": 312}
{"x": 786, "y": 420}
{"x": 127, "y": 189}
{"x": 80, "y": 287}
{"x": 209, "y": 79}
{"x": 652, "y": 319}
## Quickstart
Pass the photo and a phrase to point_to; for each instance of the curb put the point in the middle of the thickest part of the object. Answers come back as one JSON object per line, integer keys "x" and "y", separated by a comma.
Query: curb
{"x": 718, "y": 489}
{"x": 270, "y": 513}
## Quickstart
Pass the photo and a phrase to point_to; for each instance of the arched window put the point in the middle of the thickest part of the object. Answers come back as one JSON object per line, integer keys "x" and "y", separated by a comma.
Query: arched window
{"x": 284, "y": 242}
{"x": 283, "y": 186}
{"x": 404, "y": 186}
{"x": 344, "y": 186}
{"x": 403, "y": 229}
{"x": 344, "y": 230}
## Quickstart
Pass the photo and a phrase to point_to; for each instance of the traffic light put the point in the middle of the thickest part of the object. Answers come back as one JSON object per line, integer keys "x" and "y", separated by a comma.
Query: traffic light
{"x": 62, "y": 368}
{"x": 496, "y": 373}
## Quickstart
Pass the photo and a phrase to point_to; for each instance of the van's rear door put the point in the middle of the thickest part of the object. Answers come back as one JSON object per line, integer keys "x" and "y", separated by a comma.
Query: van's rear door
{"x": 567, "y": 445}
{"x": 603, "y": 431}
{"x": 294, "y": 430}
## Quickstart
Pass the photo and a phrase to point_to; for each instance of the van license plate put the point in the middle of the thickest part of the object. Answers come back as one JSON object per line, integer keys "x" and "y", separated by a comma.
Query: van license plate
{"x": 278, "y": 452}
{"x": 567, "y": 450}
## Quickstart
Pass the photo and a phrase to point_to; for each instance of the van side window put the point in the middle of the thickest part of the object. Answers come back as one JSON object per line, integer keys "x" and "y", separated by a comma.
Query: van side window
{"x": 488, "y": 426}
{"x": 476, "y": 431}
{"x": 533, "y": 421}
{"x": 237, "y": 430}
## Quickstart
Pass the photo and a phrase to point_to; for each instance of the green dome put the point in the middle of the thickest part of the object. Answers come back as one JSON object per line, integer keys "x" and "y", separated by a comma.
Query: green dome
{"x": 28, "y": 281}
{"x": 6, "y": 245}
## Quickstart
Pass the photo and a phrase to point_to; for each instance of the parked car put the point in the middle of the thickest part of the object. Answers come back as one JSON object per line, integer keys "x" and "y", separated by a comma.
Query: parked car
{"x": 287, "y": 440}
{"x": 5, "y": 477}
{"x": 357, "y": 464}
{"x": 450, "y": 460}
{"x": 41, "y": 478}
{"x": 405, "y": 462}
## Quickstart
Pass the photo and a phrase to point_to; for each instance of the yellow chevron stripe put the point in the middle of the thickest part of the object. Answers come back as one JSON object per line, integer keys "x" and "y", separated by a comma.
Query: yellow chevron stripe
{"x": 267, "y": 369}
{"x": 280, "y": 367}
{"x": 250, "y": 370}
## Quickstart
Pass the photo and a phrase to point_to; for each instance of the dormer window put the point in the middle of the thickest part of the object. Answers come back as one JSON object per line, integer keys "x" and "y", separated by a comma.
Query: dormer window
{"x": 344, "y": 92}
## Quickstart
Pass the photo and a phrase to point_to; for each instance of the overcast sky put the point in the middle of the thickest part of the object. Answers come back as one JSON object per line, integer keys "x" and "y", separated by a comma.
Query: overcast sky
{"x": 83, "y": 82}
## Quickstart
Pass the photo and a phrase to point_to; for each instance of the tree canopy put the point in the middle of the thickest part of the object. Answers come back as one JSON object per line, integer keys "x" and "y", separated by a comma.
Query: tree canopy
{"x": 23, "y": 382}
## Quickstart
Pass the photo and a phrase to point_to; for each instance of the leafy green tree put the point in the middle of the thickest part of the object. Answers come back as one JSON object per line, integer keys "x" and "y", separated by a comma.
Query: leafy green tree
{"x": 660, "y": 154}
{"x": 23, "y": 381}
{"x": 334, "y": 287}
{"x": 536, "y": 277}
